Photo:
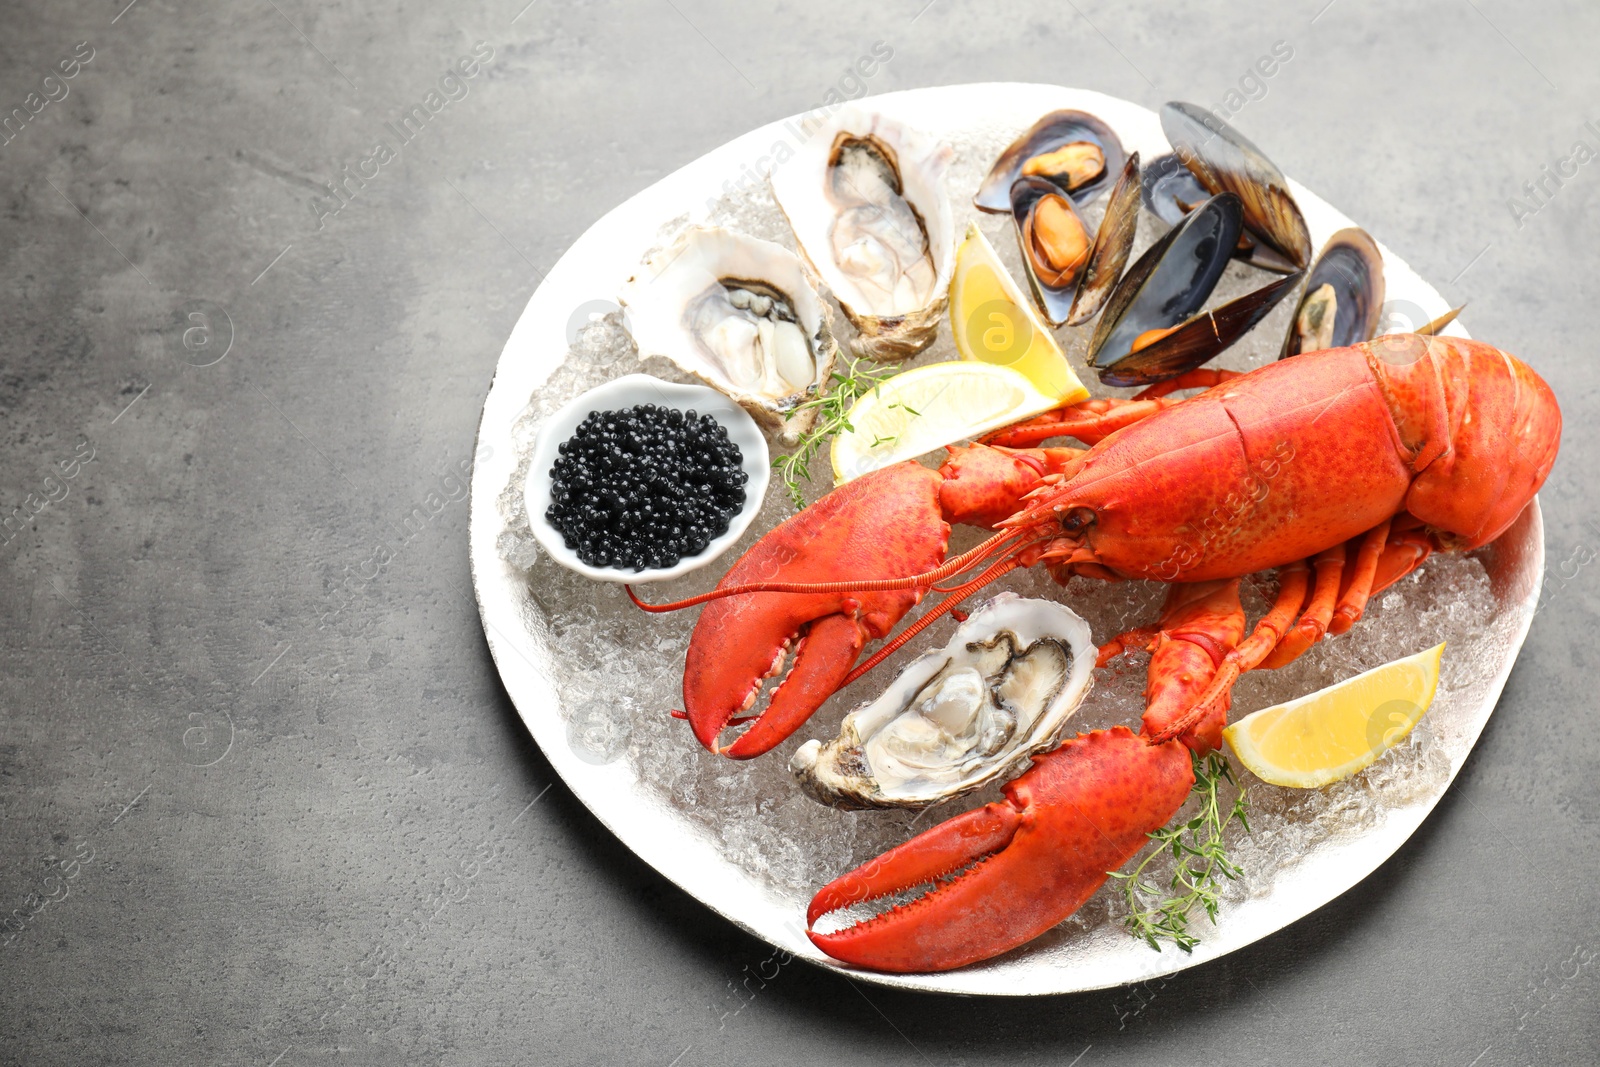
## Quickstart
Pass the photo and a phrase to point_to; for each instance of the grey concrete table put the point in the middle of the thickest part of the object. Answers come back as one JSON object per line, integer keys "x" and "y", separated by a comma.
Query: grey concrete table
{"x": 264, "y": 801}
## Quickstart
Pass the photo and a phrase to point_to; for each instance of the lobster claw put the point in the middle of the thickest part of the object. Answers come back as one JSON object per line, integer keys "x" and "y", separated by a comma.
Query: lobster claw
{"x": 824, "y": 649}
{"x": 1009, "y": 871}
{"x": 887, "y": 523}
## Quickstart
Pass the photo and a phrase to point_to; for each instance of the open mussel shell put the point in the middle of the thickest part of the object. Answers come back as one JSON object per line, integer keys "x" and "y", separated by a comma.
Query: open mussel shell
{"x": 1169, "y": 190}
{"x": 1226, "y": 161}
{"x": 1054, "y": 242}
{"x": 1202, "y": 338}
{"x": 1053, "y": 134}
{"x": 1112, "y": 246}
{"x": 1171, "y": 281}
{"x": 1343, "y": 298}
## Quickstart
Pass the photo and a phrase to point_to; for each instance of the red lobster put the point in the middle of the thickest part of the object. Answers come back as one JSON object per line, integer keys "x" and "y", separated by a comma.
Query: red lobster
{"x": 1342, "y": 469}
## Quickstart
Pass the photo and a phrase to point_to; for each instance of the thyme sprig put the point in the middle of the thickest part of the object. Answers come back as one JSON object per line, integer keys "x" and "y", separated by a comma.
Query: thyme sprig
{"x": 833, "y": 415}
{"x": 1196, "y": 846}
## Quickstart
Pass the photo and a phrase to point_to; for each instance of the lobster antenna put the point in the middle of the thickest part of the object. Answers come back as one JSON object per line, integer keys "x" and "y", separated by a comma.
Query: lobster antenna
{"x": 950, "y": 567}
{"x": 957, "y": 595}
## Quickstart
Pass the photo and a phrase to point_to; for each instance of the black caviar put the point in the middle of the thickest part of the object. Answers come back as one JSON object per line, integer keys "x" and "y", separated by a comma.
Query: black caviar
{"x": 645, "y": 486}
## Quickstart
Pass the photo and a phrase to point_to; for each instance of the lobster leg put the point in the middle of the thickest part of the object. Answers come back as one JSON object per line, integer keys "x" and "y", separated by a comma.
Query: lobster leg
{"x": 1313, "y": 623}
{"x": 1199, "y": 378}
{"x": 1246, "y": 656}
{"x": 1359, "y": 585}
{"x": 1091, "y": 421}
{"x": 1383, "y": 555}
{"x": 1401, "y": 552}
{"x": 1138, "y": 637}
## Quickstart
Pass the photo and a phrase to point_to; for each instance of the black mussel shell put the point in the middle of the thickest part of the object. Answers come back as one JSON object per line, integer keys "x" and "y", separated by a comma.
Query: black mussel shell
{"x": 1055, "y": 301}
{"x": 1112, "y": 246}
{"x": 1200, "y": 339}
{"x": 1170, "y": 191}
{"x": 1347, "y": 282}
{"x": 1226, "y": 161}
{"x": 1049, "y": 133}
{"x": 1172, "y": 280}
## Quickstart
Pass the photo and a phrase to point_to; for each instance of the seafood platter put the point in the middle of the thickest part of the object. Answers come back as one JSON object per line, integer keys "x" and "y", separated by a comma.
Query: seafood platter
{"x": 999, "y": 539}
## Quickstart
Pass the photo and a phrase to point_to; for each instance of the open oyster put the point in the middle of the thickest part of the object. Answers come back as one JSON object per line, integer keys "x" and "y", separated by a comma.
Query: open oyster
{"x": 866, "y": 199}
{"x": 959, "y": 716}
{"x": 739, "y": 313}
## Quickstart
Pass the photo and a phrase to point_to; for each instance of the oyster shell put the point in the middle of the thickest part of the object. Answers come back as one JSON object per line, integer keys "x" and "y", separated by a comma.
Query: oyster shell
{"x": 959, "y": 716}
{"x": 867, "y": 201}
{"x": 739, "y": 313}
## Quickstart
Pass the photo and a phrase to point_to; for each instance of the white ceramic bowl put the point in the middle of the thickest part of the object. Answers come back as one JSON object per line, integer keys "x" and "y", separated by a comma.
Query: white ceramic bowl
{"x": 626, "y": 392}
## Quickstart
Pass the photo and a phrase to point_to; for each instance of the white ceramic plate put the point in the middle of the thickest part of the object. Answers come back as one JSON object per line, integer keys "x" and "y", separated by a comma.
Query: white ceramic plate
{"x": 626, "y": 392}
{"x": 592, "y": 270}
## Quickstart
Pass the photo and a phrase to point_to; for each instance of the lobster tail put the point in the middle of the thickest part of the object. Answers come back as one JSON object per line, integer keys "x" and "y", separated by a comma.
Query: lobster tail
{"x": 1481, "y": 426}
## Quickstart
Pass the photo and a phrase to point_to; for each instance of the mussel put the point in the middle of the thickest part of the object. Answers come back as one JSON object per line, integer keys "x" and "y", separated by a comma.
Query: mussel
{"x": 1224, "y": 160}
{"x": 1169, "y": 353}
{"x": 1169, "y": 190}
{"x": 1148, "y": 334}
{"x": 1054, "y": 241}
{"x": 1343, "y": 298}
{"x": 1171, "y": 281}
{"x": 1112, "y": 246}
{"x": 1076, "y": 151}
{"x": 1071, "y": 268}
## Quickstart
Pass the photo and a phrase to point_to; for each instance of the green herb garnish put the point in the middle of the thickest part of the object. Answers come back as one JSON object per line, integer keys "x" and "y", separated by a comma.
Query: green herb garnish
{"x": 833, "y": 415}
{"x": 1200, "y": 859}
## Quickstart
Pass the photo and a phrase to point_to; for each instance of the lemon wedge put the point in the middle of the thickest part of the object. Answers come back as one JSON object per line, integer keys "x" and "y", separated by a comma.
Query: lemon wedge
{"x": 1337, "y": 731}
{"x": 992, "y": 321}
{"x": 919, "y": 410}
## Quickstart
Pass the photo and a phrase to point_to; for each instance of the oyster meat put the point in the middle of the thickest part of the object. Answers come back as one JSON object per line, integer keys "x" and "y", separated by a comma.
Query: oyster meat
{"x": 739, "y": 313}
{"x": 867, "y": 201}
{"x": 959, "y": 716}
